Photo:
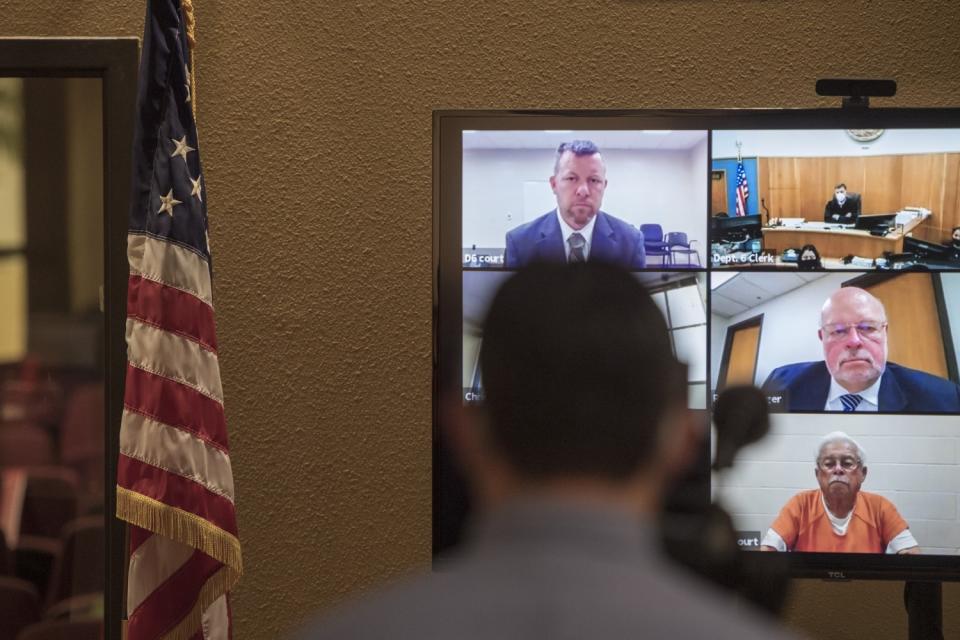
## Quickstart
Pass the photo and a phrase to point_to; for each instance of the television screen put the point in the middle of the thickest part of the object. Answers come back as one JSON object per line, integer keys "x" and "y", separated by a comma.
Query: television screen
{"x": 808, "y": 253}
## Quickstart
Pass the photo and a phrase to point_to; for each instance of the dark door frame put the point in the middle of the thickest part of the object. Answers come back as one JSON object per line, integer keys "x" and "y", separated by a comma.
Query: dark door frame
{"x": 114, "y": 61}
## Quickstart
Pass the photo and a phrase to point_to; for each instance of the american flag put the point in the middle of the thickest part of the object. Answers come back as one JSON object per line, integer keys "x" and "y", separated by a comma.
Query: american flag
{"x": 174, "y": 479}
{"x": 743, "y": 189}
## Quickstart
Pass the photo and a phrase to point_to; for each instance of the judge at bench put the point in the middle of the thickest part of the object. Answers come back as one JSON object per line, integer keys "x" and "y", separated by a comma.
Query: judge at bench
{"x": 844, "y": 208}
{"x": 854, "y": 374}
{"x": 577, "y": 230}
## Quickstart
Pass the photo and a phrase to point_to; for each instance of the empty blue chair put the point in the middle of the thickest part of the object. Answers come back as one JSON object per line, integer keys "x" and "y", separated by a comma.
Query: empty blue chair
{"x": 677, "y": 242}
{"x": 653, "y": 243}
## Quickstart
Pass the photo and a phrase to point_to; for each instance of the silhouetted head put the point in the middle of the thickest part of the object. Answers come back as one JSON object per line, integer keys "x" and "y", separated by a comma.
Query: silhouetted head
{"x": 578, "y": 372}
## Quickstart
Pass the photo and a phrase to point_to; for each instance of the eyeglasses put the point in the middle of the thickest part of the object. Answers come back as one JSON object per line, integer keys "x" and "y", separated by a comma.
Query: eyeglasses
{"x": 848, "y": 463}
{"x": 868, "y": 330}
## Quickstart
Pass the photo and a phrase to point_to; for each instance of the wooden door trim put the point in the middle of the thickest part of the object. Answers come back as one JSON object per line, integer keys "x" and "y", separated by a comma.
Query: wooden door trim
{"x": 755, "y": 321}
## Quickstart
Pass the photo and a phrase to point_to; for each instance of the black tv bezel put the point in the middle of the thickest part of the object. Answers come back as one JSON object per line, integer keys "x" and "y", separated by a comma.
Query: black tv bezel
{"x": 448, "y": 126}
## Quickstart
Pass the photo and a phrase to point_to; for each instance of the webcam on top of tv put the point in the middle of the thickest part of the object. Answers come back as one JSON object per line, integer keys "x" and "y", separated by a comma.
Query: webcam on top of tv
{"x": 856, "y": 94}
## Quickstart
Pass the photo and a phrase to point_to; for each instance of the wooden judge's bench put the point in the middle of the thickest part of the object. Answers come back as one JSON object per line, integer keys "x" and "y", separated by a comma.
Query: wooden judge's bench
{"x": 835, "y": 241}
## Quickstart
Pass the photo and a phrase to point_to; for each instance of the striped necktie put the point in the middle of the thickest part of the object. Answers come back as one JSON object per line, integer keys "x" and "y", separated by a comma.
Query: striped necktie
{"x": 850, "y": 402}
{"x": 577, "y": 244}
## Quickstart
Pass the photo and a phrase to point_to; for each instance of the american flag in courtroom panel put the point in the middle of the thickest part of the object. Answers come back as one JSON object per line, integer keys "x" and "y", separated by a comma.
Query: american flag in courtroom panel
{"x": 743, "y": 189}
{"x": 174, "y": 478}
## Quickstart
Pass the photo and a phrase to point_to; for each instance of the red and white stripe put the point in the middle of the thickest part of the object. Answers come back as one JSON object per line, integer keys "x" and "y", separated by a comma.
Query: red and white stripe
{"x": 173, "y": 444}
{"x": 741, "y": 200}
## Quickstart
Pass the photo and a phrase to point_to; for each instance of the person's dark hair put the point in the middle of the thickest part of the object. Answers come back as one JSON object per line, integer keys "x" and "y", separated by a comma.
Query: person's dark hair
{"x": 840, "y": 185}
{"x": 577, "y": 371}
{"x": 808, "y": 265}
{"x": 577, "y": 148}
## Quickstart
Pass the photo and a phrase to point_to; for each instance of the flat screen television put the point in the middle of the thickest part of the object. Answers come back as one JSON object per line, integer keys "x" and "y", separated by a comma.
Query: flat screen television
{"x": 752, "y": 319}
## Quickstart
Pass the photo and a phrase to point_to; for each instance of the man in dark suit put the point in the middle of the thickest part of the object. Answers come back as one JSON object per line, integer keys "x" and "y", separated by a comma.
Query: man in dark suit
{"x": 844, "y": 208}
{"x": 577, "y": 230}
{"x": 854, "y": 374}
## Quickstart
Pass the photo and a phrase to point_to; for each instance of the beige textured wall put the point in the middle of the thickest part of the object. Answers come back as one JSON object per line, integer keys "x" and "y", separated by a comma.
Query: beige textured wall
{"x": 316, "y": 137}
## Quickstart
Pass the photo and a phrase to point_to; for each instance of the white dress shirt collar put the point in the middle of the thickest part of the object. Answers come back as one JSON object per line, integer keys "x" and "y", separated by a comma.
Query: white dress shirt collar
{"x": 870, "y": 395}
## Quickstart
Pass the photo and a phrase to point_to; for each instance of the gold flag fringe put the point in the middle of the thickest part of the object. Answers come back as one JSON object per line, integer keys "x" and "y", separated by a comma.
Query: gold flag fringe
{"x": 179, "y": 525}
{"x": 191, "y": 22}
{"x": 218, "y": 584}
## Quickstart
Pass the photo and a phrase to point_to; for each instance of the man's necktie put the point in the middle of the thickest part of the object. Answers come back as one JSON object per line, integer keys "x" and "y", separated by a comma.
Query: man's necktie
{"x": 850, "y": 402}
{"x": 577, "y": 243}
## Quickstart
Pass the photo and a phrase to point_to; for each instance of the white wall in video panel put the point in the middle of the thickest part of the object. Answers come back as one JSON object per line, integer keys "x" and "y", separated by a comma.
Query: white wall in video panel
{"x": 505, "y": 187}
{"x": 914, "y": 461}
{"x": 833, "y": 142}
{"x": 790, "y": 323}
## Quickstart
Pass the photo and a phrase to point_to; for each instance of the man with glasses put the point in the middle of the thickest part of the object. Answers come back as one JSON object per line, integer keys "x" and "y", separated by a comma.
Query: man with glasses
{"x": 838, "y": 517}
{"x": 854, "y": 374}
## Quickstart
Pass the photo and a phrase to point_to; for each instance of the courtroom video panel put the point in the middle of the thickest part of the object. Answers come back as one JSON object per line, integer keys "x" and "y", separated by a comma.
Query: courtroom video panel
{"x": 835, "y": 199}
{"x": 839, "y": 342}
{"x": 637, "y": 199}
{"x": 680, "y": 296}
{"x": 858, "y": 483}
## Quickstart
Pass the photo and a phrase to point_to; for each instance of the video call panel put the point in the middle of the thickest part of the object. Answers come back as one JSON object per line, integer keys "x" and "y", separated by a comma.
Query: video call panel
{"x": 654, "y": 187}
{"x": 773, "y": 330}
{"x": 870, "y": 199}
{"x": 913, "y": 464}
{"x": 681, "y": 297}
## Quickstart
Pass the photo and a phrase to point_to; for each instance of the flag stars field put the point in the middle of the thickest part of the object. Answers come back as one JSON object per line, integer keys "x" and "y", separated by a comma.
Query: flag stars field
{"x": 182, "y": 148}
{"x": 197, "y": 186}
{"x": 167, "y": 203}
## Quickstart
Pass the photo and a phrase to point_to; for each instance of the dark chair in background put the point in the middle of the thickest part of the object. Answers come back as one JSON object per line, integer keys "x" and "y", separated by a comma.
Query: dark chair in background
{"x": 81, "y": 441}
{"x": 34, "y": 559}
{"x": 6, "y": 558}
{"x": 64, "y": 630}
{"x": 50, "y": 502}
{"x": 78, "y": 569}
{"x": 857, "y": 201}
{"x": 25, "y": 444}
{"x": 653, "y": 243}
{"x": 678, "y": 244}
{"x": 19, "y": 607}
